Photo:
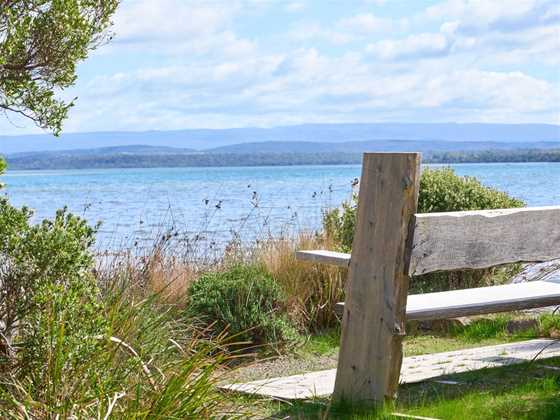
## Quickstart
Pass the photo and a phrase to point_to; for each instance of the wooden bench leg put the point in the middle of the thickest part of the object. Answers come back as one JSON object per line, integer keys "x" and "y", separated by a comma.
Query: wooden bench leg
{"x": 375, "y": 310}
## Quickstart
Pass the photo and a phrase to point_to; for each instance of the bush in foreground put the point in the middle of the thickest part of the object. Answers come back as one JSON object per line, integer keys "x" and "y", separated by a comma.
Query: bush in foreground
{"x": 244, "y": 300}
{"x": 46, "y": 287}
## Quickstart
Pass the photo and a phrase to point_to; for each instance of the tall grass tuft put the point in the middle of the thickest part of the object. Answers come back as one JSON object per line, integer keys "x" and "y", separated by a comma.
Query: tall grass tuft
{"x": 151, "y": 363}
{"x": 155, "y": 272}
{"x": 312, "y": 290}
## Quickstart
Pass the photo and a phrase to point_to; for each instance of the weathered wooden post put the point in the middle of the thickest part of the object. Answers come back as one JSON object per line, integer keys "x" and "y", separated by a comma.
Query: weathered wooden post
{"x": 375, "y": 308}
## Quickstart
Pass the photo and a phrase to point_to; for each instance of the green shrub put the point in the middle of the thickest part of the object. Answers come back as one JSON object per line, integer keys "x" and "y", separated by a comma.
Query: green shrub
{"x": 46, "y": 285}
{"x": 440, "y": 190}
{"x": 244, "y": 300}
{"x": 443, "y": 190}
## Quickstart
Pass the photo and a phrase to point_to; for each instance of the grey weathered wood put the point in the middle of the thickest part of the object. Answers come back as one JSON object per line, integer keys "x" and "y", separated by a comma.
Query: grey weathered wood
{"x": 326, "y": 257}
{"x": 482, "y": 300}
{"x": 478, "y": 239}
{"x": 549, "y": 270}
{"x": 373, "y": 322}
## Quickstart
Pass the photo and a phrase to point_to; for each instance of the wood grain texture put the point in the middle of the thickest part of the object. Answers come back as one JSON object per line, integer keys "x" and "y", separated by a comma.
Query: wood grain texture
{"x": 474, "y": 239}
{"x": 482, "y": 300}
{"x": 479, "y": 239}
{"x": 373, "y": 322}
{"x": 325, "y": 257}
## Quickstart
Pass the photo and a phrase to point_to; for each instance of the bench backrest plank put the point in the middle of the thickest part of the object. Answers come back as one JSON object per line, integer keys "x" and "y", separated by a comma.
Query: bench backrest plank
{"x": 480, "y": 239}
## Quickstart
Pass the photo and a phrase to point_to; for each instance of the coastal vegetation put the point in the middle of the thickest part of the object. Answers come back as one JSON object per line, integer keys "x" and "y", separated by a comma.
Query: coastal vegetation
{"x": 153, "y": 335}
{"x": 245, "y": 301}
{"x": 187, "y": 159}
{"x": 76, "y": 345}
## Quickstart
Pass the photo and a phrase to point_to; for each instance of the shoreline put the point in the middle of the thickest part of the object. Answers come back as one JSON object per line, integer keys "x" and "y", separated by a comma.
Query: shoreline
{"x": 429, "y": 161}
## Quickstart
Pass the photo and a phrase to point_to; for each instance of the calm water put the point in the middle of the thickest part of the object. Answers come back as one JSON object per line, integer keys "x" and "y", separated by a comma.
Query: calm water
{"x": 136, "y": 205}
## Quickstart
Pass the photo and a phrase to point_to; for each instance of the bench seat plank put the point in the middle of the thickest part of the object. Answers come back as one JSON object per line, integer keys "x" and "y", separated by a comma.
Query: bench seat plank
{"x": 327, "y": 257}
{"x": 482, "y": 300}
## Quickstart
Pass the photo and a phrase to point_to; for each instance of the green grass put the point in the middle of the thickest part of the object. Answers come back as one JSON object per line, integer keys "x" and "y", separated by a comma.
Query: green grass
{"x": 516, "y": 392}
{"x": 324, "y": 344}
{"x": 481, "y": 332}
{"x": 550, "y": 323}
{"x": 527, "y": 391}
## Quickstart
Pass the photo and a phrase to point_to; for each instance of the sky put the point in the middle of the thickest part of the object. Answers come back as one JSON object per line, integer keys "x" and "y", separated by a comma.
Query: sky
{"x": 176, "y": 64}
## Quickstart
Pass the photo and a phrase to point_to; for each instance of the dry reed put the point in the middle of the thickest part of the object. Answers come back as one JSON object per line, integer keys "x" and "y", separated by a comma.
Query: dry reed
{"x": 312, "y": 290}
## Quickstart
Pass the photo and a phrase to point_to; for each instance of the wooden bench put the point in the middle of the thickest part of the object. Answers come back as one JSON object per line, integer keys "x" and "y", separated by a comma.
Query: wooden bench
{"x": 392, "y": 243}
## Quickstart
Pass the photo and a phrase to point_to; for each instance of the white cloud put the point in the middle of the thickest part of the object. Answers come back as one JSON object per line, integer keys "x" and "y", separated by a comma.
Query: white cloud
{"x": 295, "y": 6}
{"x": 309, "y": 31}
{"x": 176, "y": 27}
{"x": 355, "y": 28}
{"x": 493, "y": 33}
{"x": 306, "y": 85}
{"x": 474, "y": 16}
{"x": 418, "y": 46}
{"x": 145, "y": 20}
{"x": 196, "y": 65}
{"x": 483, "y": 12}
{"x": 365, "y": 23}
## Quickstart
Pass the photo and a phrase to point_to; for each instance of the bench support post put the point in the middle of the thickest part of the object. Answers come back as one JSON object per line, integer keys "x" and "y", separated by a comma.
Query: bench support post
{"x": 375, "y": 310}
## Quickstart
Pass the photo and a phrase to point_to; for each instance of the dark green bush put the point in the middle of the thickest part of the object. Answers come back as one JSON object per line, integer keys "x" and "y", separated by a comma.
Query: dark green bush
{"x": 440, "y": 190}
{"x": 443, "y": 190}
{"x": 245, "y": 301}
{"x": 49, "y": 307}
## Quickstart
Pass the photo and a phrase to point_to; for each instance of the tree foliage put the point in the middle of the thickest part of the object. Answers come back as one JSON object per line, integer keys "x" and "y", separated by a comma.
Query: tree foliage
{"x": 41, "y": 42}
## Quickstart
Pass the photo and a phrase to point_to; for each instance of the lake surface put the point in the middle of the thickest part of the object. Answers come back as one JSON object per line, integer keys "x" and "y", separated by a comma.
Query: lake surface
{"x": 221, "y": 204}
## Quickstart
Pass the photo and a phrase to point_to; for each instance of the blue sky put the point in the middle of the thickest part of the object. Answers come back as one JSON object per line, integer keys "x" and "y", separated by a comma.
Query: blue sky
{"x": 178, "y": 64}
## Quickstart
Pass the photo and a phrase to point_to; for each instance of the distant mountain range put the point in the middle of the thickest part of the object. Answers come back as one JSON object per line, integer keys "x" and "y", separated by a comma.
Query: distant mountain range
{"x": 378, "y": 145}
{"x": 304, "y": 144}
{"x": 205, "y": 139}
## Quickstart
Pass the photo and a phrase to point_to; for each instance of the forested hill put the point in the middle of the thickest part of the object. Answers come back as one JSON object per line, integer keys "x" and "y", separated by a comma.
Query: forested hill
{"x": 142, "y": 159}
